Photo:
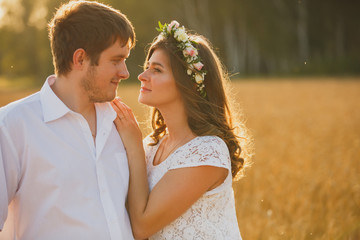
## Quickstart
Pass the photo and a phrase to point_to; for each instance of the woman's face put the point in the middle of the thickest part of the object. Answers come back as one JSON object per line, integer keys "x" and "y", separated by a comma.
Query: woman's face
{"x": 158, "y": 86}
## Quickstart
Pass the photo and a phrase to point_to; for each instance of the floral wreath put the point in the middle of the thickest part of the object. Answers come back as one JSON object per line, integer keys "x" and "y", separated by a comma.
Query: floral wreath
{"x": 190, "y": 53}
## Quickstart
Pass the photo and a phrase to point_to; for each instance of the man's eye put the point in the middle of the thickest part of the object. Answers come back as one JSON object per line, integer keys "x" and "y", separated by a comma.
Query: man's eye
{"x": 116, "y": 61}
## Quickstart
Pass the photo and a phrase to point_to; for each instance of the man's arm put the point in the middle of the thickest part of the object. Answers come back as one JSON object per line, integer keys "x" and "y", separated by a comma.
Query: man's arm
{"x": 9, "y": 172}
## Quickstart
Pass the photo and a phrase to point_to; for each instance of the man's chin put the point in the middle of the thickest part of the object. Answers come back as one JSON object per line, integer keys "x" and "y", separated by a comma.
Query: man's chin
{"x": 103, "y": 99}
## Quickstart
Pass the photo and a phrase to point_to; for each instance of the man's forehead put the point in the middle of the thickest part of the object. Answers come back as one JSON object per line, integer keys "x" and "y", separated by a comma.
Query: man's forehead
{"x": 119, "y": 48}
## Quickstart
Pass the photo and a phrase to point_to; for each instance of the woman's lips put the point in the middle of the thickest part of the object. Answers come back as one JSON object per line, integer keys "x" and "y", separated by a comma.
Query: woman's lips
{"x": 144, "y": 89}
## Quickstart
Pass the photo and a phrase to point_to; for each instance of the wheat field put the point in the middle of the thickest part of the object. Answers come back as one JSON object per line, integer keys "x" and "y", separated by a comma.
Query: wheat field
{"x": 305, "y": 179}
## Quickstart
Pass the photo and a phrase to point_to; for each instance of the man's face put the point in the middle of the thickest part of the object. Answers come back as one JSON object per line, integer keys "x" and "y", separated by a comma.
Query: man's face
{"x": 101, "y": 81}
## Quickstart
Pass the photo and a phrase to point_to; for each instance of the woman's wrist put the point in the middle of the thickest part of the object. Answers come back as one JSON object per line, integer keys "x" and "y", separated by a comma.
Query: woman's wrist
{"x": 135, "y": 152}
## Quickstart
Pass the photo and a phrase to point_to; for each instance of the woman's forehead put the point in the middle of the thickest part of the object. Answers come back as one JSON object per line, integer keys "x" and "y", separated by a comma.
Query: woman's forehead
{"x": 159, "y": 57}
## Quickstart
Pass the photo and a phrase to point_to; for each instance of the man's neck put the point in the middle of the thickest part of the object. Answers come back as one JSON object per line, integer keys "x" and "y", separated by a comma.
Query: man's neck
{"x": 69, "y": 92}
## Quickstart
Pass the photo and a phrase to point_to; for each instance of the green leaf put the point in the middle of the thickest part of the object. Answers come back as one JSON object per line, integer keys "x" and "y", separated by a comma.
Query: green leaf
{"x": 160, "y": 28}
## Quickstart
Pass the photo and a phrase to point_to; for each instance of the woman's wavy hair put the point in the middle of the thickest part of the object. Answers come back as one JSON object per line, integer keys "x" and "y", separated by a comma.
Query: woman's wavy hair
{"x": 205, "y": 116}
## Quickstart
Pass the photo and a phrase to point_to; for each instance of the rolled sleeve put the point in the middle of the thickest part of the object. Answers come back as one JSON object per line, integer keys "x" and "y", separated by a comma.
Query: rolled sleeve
{"x": 8, "y": 174}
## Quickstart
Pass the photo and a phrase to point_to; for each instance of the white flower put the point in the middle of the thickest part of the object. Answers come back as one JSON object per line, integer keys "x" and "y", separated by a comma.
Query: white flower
{"x": 189, "y": 72}
{"x": 199, "y": 78}
{"x": 181, "y": 35}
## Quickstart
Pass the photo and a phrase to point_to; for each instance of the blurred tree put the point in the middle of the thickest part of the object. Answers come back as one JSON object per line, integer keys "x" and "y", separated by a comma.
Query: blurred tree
{"x": 251, "y": 36}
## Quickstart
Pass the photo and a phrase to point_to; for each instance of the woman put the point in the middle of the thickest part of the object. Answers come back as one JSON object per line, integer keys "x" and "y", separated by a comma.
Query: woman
{"x": 181, "y": 184}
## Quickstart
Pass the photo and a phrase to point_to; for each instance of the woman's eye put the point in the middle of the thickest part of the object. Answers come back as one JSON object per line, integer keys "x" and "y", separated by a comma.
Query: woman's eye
{"x": 157, "y": 70}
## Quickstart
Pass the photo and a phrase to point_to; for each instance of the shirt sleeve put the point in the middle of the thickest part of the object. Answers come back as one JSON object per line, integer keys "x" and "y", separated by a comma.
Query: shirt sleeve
{"x": 8, "y": 173}
{"x": 206, "y": 151}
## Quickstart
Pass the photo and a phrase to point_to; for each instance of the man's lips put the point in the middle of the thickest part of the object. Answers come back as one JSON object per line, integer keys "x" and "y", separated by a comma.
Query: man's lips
{"x": 116, "y": 81}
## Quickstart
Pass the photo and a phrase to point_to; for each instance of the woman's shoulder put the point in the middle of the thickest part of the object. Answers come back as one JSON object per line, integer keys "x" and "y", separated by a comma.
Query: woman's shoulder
{"x": 203, "y": 150}
{"x": 210, "y": 143}
{"x": 210, "y": 139}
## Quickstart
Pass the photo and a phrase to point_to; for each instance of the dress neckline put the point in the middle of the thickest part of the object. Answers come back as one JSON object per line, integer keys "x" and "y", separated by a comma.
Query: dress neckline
{"x": 156, "y": 148}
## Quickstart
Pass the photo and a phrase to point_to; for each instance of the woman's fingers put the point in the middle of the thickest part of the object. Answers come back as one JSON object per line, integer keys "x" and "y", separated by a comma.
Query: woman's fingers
{"x": 125, "y": 110}
{"x": 129, "y": 111}
{"x": 126, "y": 125}
{"x": 120, "y": 109}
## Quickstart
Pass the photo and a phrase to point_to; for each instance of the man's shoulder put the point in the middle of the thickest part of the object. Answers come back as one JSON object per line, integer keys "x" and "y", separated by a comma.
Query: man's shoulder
{"x": 19, "y": 108}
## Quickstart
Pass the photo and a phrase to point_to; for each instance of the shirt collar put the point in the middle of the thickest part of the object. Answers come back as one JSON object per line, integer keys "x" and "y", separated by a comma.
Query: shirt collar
{"x": 53, "y": 107}
{"x": 106, "y": 111}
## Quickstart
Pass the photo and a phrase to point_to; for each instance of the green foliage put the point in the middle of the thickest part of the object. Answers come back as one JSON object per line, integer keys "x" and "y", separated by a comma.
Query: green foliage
{"x": 252, "y": 37}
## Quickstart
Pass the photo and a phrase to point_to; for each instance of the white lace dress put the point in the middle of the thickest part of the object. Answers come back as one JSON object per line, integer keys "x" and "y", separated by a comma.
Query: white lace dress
{"x": 213, "y": 216}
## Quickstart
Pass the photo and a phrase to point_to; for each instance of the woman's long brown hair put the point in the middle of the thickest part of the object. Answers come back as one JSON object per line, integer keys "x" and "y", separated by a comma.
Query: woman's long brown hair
{"x": 205, "y": 116}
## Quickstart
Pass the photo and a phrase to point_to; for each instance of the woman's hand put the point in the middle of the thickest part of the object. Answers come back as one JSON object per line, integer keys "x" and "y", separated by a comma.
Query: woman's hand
{"x": 127, "y": 126}
{"x": 131, "y": 136}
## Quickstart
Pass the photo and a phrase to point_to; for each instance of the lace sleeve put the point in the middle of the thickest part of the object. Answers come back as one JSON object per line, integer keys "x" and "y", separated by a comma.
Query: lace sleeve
{"x": 203, "y": 151}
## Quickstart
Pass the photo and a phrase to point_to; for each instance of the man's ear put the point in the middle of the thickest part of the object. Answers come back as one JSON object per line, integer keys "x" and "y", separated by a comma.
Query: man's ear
{"x": 79, "y": 58}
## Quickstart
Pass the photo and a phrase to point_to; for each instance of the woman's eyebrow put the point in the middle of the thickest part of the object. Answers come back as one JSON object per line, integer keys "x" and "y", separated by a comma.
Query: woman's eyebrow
{"x": 156, "y": 63}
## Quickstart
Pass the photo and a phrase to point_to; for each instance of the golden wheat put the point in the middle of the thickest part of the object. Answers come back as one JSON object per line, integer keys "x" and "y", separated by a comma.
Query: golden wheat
{"x": 305, "y": 178}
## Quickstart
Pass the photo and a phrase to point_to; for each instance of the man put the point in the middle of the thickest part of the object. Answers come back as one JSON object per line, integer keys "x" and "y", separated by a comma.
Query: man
{"x": 62, "y": 163}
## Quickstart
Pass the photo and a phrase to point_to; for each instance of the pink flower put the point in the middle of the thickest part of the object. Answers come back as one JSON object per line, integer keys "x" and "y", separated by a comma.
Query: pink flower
{"x": 190, "y": 51}
{"x": 198, "y": 65}
{"x": 173, "y": 22}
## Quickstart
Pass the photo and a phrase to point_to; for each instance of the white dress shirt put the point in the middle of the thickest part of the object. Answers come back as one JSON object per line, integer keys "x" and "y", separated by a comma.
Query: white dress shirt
{"x": 62, "y": 185}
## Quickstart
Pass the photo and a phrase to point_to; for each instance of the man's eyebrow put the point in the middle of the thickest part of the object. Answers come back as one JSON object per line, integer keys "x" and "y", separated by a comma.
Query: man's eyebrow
{"x": 121, "y": 56}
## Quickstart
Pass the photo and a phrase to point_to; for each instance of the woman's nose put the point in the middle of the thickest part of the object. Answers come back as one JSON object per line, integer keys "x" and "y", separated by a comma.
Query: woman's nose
{"x": 142, "y": 76}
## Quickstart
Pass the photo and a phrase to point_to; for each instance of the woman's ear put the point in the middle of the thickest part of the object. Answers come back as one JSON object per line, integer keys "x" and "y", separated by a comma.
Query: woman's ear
{"x": 79, "y": 58}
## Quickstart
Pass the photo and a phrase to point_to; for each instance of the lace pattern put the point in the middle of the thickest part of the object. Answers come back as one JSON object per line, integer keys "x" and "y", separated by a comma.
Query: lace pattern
{"x": 213, "y": 216}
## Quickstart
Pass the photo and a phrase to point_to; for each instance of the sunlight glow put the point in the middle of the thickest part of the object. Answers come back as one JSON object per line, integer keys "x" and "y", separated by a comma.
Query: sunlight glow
{"x": 2, "y": 11}
{"x": 38, "y": 17}
{"x": 10, "y": 14}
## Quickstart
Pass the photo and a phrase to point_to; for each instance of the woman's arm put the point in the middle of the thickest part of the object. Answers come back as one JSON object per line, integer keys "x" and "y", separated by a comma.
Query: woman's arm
{"x": 173, "y": 194}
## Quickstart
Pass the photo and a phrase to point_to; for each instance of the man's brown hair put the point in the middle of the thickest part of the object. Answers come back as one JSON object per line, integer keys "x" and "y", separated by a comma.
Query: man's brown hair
{"x": 91, "y": 26}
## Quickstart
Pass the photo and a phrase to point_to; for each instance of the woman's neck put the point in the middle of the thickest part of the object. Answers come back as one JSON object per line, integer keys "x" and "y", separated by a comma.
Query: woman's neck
{"x": 176, "y": 122}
